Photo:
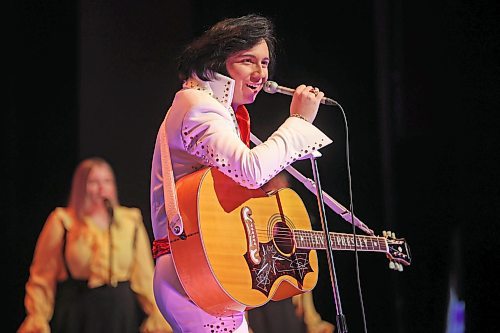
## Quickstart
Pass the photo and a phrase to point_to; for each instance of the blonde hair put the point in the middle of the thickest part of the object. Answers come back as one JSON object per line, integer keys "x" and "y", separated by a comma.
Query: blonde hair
{"x": 78, "y": 195}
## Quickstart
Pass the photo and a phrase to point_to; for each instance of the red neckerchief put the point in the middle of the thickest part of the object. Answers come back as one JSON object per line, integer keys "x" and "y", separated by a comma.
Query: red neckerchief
{"x": 243, "y": 119}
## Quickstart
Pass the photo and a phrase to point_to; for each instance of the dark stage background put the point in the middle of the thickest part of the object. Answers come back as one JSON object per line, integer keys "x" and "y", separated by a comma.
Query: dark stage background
{"x": 419, "y": 85}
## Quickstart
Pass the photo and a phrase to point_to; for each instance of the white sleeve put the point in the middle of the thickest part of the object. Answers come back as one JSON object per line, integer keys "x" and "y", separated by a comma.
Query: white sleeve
{"x": 208, "y": 133}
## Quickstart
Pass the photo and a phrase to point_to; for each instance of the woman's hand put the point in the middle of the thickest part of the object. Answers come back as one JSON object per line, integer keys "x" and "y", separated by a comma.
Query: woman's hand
{"x": 34, "y": 324}
{"x": 321, "y": 327}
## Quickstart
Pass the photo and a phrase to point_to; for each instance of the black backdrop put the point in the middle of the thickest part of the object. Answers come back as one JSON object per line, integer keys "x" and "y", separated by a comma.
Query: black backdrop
{"x": 418, "y": 82}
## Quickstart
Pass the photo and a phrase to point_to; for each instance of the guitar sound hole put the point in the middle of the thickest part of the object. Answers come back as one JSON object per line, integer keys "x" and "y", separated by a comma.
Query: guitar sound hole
{"x": 282, "y": 237}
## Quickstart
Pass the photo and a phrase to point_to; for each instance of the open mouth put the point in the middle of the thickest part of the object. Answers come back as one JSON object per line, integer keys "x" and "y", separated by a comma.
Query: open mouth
{"x": 253, "y": 86}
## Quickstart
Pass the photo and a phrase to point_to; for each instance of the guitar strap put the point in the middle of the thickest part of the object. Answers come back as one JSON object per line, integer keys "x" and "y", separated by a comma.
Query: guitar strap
{"x": 169, "y": 191}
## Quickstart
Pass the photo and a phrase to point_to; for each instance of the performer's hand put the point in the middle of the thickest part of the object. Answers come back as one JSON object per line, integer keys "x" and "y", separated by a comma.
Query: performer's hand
{"x": 305, "y": 102}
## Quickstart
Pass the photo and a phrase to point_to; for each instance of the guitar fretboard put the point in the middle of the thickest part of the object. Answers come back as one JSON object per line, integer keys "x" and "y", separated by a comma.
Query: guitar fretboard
{"x": 311, "y": 239}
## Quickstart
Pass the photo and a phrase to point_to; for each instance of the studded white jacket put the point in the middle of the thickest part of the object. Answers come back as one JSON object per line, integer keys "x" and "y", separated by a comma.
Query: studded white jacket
{"x": 202, "y": 131}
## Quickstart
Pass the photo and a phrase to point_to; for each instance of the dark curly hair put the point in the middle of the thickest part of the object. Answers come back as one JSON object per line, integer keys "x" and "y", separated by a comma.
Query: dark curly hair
{"x": 208, "y": 53}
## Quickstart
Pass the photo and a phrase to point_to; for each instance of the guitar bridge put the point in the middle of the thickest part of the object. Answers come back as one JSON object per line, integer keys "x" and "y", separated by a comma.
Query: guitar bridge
{"x": 251, "y": 233}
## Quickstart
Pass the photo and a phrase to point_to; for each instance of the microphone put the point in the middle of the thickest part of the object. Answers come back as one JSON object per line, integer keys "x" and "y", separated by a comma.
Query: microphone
{"x": 272, "y": 87}
{"x": 109, "y": 207}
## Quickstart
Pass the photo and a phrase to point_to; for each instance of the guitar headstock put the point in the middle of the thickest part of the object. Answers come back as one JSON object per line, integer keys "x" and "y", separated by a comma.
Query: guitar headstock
{"x": 398, "y": 251}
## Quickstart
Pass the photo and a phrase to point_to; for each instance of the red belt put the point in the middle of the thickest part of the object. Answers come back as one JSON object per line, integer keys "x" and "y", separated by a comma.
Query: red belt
{"x": 161, "y": 247}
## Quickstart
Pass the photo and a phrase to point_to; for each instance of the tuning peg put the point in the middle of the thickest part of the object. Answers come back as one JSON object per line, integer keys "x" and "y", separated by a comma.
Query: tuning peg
{"x": 392, "y": 265}
{"x": 400, "y": 267}
{"x": 384, "y": 233}
{"x": 393, "y": 235}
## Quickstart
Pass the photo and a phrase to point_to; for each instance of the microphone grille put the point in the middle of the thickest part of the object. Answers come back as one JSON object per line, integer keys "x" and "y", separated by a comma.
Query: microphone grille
{"x": 270, "y": 87}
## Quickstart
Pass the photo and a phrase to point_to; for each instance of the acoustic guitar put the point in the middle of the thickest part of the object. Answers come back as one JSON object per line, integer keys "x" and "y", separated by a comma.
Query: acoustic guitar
{"x": 241, "y": 248}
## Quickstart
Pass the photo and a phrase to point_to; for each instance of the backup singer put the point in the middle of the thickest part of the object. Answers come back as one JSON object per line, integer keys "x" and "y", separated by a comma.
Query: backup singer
{"x": 92, "y": 264}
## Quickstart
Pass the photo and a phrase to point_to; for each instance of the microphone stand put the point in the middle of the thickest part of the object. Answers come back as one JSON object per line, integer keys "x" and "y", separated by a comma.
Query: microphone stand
{"x": 110, "y": 253}
{"x": 341, "y": 322}
{"x": 111, "y": 215}
{"x": 340, "y": 319}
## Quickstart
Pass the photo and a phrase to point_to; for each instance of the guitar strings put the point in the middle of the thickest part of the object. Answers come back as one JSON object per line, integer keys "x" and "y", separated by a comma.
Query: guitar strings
{"x": 285, "y": 235}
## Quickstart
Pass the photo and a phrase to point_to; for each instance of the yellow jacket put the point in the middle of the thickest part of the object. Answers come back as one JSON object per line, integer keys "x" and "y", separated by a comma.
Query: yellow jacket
{"x": 88, "y": 258}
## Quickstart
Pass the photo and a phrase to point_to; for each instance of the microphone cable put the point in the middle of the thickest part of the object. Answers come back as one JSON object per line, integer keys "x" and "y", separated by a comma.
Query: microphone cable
{"x": 272, "y": 87}
{"x": 351, "y": 208}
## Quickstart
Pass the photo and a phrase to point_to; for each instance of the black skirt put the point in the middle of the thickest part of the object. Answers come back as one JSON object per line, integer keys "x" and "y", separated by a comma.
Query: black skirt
{"x": 106, "y": 309}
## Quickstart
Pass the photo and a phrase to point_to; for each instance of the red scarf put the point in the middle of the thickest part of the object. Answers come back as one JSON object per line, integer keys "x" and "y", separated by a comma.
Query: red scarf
{"x": 243, "y": 119}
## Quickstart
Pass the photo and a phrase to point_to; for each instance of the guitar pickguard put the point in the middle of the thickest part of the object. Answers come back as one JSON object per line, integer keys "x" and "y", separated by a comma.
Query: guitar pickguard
{"x": 274, "y": 264}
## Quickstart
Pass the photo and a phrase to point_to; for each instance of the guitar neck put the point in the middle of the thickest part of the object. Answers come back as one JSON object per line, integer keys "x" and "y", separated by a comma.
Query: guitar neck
{"x": 311, "y": 239}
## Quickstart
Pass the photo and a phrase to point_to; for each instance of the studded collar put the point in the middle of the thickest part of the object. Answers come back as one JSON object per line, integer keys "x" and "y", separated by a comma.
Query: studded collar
{"x": 221, "y": 88}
